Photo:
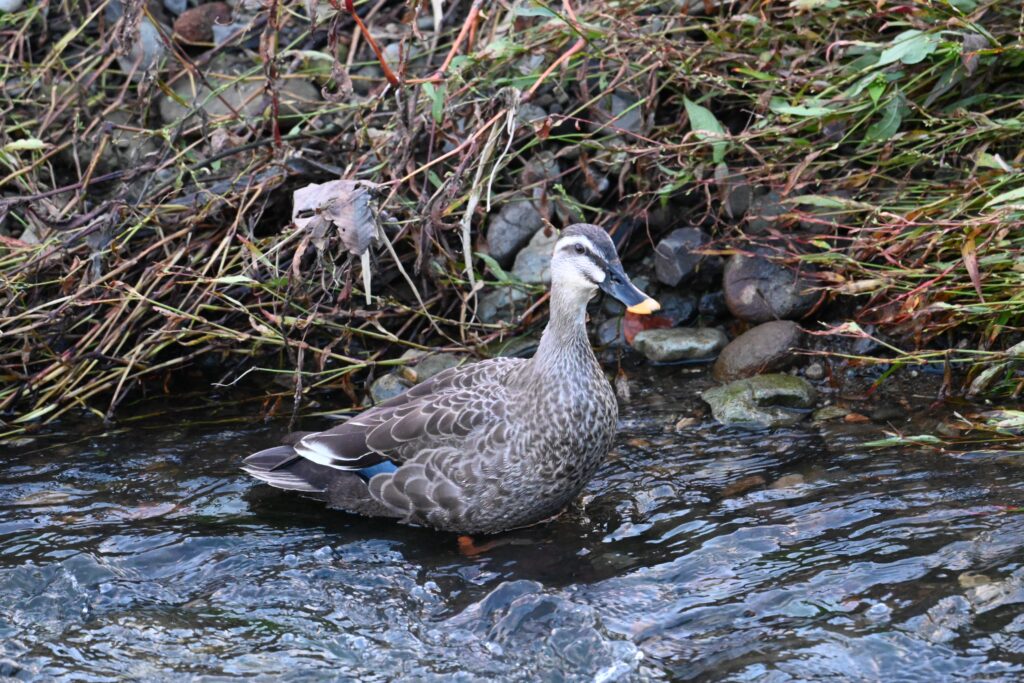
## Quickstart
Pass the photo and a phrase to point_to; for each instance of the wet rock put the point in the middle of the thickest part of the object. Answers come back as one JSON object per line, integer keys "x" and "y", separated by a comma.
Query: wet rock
{"x": 765, "y": 212}
{"x": 195, "y": 25}
{"x": 761, "y": 402}
{"x": 712, "y": 304}
{"x": 501, "y": 303}
{"x": 236, "y": 93}
{"x": 679, "y": 343}
{"x": 511, "y": 230}
{"x": 533, "y": 262}
{"x": 814, "y": 371}
{"x": 828, "y": 413}
{"x": 387, "y": 387}
{"x": 675, "y": 257}
{"x": 738, "y": 488}
{"x": 176, "y": 6}
{"x": 765, "y": 348}
{"x": 612, "y": 333}
{"x": 759, "y": 290}
{"x": 787, "y": 481}
{"x": 678, "y": 308}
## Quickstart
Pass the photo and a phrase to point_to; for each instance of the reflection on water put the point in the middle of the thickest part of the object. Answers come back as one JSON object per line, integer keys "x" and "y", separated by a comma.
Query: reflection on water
{"x": 149, "y": 555}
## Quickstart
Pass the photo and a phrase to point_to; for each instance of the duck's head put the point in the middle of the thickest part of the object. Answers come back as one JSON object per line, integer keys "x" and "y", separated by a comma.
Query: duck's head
{"x": 585, "y": 260}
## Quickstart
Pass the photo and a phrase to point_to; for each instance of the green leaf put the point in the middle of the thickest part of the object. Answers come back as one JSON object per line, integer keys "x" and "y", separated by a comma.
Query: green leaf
{"x": 436, "y": 95}
{"x": 499, "y": 272}
{"x": 889, "y": 124}
{"x": 1006, "y": 197}
{"x": 234, "y": 280}
{"x": 707, "y": 127}
{"x": 26, "y": 145}
{"x": 810, "y": 109}
{"x": 909, "y": 47}
{"x": 875, "y": 91}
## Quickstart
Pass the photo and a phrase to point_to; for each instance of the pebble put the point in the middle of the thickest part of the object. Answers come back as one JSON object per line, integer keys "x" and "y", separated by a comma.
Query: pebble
{"x": 765, "y": 348}
{"x": 758, "y": 290}
{"x": 387, "y": 387}
{"x": 511, "y": 230}
{"x": 712, "y": 304}
{"x": 676, "y": 258}
{"x": 738, "y": 488}
{"x": 422, "y": 366}
{"x": 814, "y": 371}
{"x": 829, "y": 413}
{"x": 788, "y": 481}
{"x": 195, "y": 25}
{"x": 679, "y": 343}
{"x": 762, "y": 401}
{"x": 678, "y": 308}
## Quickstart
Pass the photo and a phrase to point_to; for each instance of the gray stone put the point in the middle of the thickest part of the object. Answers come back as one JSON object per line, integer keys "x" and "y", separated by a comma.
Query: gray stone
{"x": 387, "y": 387}
{"x": 761, "y": 402}
{"x": 829, "y": 413}
{"x": 712, "y": 304}
{"x": 679, "y": 308}
{"x": 759, "y": 290}
{"x": 11, "y": 5}
{"x": 734, "y": 191}
{"x": 146, "y": 53}
{"x": 511, "y": 229}
{"x": 501, "y": 303}
{"x": 675, "y": 257}
{"x": 422, "y": 366}
{"x": 612, "y": 334}
{"x": 765, "y": 211}
{"x": 765, "y": 348}
{"x": 618, "y": 113}
{"x": 679, "y": 343}
{"x": 530, "y": 113}
{"x": 533, "y": 262}
{"x": 241, "y": 94}
{"x": 813, "y": 371}
{"x": 436, "y": 363}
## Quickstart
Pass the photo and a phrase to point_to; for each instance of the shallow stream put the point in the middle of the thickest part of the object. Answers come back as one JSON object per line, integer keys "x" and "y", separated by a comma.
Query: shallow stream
{"x": 146, "y": 554}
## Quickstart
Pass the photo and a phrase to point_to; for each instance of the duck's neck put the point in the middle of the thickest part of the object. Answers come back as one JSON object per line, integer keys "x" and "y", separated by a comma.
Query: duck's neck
{"x": 564, "y": 348}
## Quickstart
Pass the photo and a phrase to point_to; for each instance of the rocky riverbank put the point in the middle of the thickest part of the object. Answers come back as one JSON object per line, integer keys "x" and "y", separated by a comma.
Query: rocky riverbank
{"x": 300, "y": 200}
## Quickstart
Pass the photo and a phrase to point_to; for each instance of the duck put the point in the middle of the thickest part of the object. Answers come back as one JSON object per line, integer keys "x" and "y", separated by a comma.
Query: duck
{"x": 484, "y": 447}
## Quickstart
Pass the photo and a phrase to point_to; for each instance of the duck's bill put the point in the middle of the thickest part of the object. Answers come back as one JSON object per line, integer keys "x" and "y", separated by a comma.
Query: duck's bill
{"x": 617, "y": 284}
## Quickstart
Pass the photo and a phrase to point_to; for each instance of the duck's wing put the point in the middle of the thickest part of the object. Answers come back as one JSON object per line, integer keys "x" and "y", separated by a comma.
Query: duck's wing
{"x": 449, "y": 405}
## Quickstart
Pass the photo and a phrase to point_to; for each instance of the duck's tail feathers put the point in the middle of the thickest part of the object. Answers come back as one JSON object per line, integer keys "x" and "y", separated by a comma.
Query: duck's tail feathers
{"x": 283, "y": 468}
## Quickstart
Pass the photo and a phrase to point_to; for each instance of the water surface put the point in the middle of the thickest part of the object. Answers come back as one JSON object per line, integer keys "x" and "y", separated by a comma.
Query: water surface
{"x": 146, "y": 554}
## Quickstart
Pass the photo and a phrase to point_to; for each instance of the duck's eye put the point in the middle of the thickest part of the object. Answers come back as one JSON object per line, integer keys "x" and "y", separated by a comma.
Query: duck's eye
{"x": 580, "y": 249}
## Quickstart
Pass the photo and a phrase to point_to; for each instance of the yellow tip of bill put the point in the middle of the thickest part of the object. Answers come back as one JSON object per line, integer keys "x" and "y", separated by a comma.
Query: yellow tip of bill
{"x": 645, "y": 307}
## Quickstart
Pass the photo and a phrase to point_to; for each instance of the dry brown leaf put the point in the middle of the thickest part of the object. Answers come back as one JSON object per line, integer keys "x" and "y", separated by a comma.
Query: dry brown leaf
{"x": 345, "y": 204}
